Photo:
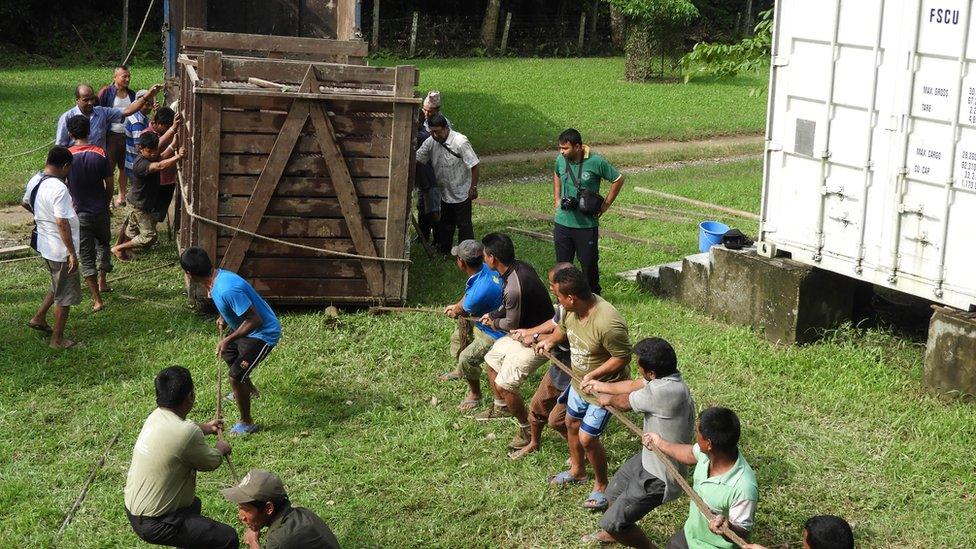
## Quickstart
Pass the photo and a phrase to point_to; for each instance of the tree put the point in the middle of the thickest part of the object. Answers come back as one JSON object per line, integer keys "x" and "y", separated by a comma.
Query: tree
{"x": 650, "y": 23}
{"x": 489, "y": 27}
{"x": 727, "y": 60}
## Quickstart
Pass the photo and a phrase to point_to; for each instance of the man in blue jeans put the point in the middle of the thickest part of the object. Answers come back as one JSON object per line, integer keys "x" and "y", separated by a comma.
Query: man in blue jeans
{"x": 577, "y": 234}
{"x": 255, "y": 329}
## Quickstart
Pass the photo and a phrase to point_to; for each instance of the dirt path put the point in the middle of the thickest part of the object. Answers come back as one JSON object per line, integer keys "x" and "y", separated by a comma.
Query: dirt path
{"x": 639, "y": 147}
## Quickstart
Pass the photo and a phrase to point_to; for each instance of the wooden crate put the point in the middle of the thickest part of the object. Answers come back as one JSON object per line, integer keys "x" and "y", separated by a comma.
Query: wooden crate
{"x": 315, "y": 154}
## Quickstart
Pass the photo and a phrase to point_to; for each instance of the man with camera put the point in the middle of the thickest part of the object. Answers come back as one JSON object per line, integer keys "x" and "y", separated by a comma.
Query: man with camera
{"x": 576, "y": 190}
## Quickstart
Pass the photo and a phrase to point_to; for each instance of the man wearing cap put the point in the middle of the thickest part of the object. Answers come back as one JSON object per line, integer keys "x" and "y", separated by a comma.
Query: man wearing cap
{"x": 262, "y": 501}
{"x": 431, "y": 108}
{"x": 456, "y": 168}
{"x": 482, "y": 294}
{"x": 160, "y": 489}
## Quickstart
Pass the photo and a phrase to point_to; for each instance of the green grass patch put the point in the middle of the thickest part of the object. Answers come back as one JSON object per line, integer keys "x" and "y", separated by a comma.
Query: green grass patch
{"x": 842, "y": 426}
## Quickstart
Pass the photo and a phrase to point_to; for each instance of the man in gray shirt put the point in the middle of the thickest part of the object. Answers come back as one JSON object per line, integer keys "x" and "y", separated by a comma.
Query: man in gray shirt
{"x": 642, "y": 483}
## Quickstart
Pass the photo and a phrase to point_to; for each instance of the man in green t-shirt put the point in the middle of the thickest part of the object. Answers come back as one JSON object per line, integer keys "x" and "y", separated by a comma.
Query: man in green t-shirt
{"x": 599, "y": 347}
{"x": 722, "y": 477}
{"x": 576, "y": 233}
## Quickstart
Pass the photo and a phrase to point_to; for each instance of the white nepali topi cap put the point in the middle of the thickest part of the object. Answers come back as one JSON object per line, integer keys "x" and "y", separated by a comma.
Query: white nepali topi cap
{"x": 433, "y": 100}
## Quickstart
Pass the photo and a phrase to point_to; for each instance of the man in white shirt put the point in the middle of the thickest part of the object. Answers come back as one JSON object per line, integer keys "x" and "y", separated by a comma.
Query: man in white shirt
{"x": 57, "y": 240}
{"x": 456, "y": 168}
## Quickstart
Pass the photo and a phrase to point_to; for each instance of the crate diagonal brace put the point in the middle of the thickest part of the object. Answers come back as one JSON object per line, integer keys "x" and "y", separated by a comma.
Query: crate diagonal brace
{"x": 267, "y": 183}
{"x": 348, "y": 198}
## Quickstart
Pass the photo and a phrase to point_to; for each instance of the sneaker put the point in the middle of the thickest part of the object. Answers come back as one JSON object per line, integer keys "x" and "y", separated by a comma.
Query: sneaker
{"x": 241, "y": 429}
{"x": 495, "y": 412}
{"x": 521, "y": 440}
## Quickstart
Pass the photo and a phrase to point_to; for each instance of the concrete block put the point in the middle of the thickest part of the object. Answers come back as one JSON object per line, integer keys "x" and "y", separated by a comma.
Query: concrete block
{"x": 950, "y": 353}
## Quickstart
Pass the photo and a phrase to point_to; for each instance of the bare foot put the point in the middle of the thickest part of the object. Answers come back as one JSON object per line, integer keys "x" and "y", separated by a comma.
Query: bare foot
{"x": 40, "y": 326}
{"x": 524, "y": 451}
{"x": 120, "y": 255}
{"x": 98, "y": 306}
{"x": 449, "y": 376}
{"x": 63, "y": 344}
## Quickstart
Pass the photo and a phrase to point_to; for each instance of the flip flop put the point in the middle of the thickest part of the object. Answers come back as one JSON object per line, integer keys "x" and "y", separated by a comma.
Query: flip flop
{"x": 468, "y": 404}
{"x": 567, "y": 478}
{"x": 40, "y": 328}
{"x": 599, "y": 501}
{"x": 449, "y": 376}
{"x": 593, "y": 539}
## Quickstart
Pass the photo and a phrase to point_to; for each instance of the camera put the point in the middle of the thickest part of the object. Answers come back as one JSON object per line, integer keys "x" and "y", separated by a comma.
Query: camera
{"x": 569, "y": 203}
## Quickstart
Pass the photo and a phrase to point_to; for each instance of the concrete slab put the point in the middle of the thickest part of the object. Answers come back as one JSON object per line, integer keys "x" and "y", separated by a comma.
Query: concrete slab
{"x": 950, "y": 353}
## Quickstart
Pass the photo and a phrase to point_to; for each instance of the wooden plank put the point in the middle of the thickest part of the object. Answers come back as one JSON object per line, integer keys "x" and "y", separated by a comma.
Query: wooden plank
{"x": 286, "y": 267}
{"x": 361, "y": 108}
{"x": 372, "y": 208}
{"x": 349, "y": 202}
{"x": 202, "y": 40}
{"x": 344, "y": 125}
{"x": 209, "y": 157}
{"x": 301, "y": 165}
{"x": 401, "y": 165}
{"x": 261, "y": 247}
{"x": 293, "y": 72}
{"x": 315, "y": 187}
{"x": 264, "y": 92}
{"x": 346, "y": 20}
{"x": 13, "y": 251}
{"x": 306, "y": 227}
{"x": 261, "y": 143}
{"x": 312, "y": 287}
{"x": 270, "y": 172}
{"x": 699, "y": 203}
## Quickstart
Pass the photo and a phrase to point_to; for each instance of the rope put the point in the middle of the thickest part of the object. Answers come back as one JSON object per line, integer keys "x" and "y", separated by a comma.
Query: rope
{"x": 139, "y": 34}
{"x": 671, "y": 469}
{"x": 84, "y": 491}
{"x": 35, "y": 149}
{"x": 194, "y": 215}
{"x": 219, "y": 413}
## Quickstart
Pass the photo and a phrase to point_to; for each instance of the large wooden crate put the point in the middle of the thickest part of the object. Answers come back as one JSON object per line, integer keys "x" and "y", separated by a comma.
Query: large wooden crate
{"x": 315, "y": 154}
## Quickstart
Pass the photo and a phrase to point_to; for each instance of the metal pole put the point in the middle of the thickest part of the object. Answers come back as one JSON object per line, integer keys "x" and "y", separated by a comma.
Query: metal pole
{"x": 376, "y": 25}
{"x": 125, "y": 24}
{"x": 413, "y": 35}
{"x": 582, "y": 31}
{"x": 508, "y": 23}
{"x": 828, "y": 120}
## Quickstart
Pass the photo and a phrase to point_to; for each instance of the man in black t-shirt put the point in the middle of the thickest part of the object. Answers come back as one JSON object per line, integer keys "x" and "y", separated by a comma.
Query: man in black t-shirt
{"x": 141, "y": 196}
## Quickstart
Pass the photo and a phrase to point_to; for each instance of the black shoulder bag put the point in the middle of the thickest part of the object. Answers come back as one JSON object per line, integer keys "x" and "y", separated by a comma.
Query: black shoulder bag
{"x": 33, "y": 199}
{"x": 590, "y": 203}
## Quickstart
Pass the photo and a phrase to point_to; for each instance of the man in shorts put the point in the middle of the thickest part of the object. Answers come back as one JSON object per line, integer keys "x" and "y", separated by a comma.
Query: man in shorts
{"x": 642, "y": 482}
{"x": 600, "y": 348}
{"x": 255, "y": 329}
{"x": 57, "y": 240}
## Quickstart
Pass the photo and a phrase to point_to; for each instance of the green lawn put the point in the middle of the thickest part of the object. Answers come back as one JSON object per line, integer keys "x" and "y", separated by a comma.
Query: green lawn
{"x": 500, "y": 104}
{"x": 362, "y": 432}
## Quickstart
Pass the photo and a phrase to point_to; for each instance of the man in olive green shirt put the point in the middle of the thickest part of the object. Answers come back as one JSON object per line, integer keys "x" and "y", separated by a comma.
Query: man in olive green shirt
{"x": 599, "y": 346}
{"x": 160, "y": 489}
{"x": 576, "y": 234}
{"x": 262, "y": 501}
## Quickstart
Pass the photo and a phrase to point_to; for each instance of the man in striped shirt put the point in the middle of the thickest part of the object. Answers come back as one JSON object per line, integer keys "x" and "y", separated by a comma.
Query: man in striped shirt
{"x": 135, "y": 124}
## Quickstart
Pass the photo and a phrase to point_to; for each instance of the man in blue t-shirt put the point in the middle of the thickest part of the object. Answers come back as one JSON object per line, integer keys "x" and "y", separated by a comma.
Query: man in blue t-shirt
{"x": 482, "y": 294}
{"x": 255, "y": 329}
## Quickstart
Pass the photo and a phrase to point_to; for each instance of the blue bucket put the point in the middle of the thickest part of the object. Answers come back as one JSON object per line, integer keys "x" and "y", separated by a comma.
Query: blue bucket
{"x": 710, "y": 234}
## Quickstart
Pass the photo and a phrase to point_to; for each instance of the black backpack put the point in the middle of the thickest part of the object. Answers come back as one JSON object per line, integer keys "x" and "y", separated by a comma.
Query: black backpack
{"x": 33, "y": 199}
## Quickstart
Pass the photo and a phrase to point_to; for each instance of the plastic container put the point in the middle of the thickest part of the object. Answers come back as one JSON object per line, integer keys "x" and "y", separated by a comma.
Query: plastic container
{"x": 710, "y": 234}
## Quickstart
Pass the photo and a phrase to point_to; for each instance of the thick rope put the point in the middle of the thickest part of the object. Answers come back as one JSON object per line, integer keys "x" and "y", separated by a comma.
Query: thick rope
{"x": 35, "y": 149}
{"x": 194, "y": 215}
{"x": 139, "y": 34}
{"x": 84, "y": 491}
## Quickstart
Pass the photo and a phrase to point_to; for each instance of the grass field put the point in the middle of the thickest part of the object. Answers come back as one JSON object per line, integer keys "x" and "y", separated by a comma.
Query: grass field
{"x": 500, "y": 104}
{"x": 361, "y": 431}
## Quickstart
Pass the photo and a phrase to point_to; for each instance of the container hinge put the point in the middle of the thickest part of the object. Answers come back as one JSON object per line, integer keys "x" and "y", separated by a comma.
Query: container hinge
{"x": 827, "y": 191}
{"x": 825, "y": 155}
{"x": 773, "y": 146}
{"x": 905, "y": 209}
{"x": 922, "y": 239}
{"x": 869, "y": 165}
{"x": 842, "y": 219}
{"x": 903, "y": 171}
{"x": 781, "y": 60}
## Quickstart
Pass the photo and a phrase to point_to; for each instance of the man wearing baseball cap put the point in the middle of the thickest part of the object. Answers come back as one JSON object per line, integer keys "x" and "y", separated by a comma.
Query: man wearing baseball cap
{"x": 262, "y": 501}
{"x": 482, "y": 294}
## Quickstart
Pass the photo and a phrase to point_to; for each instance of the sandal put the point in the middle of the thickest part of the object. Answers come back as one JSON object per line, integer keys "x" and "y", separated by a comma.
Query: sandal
{"x": 468, "y": 404}
{"x": 40, "y": 327}
{"x": 593, "y": 538}
{"x": 567, "y": 478}
{"x": 449, "y": 376}
{"x": 599, "y": 501}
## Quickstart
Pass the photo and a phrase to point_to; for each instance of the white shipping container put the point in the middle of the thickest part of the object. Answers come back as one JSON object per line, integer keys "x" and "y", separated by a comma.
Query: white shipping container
{"x": 870, "y": 166}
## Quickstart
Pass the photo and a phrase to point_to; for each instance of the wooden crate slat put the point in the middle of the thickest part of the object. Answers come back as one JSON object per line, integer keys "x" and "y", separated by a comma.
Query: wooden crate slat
{"x": 359, "y": 107}
{"x": 261, "y": 143}
{"x": 270, "y": 172}
{"x": 401, "y": 167}
{"x": 209, "y": 158}
{"x": 310, "y": 187}
{"x": 203, "y": 40}
{"x": 286, "y": 267}
{"x": 373, "y": 208}
{"x": 264, "y": 247}
{"x": 301, "y": 165}
{"x": 293, "y": 72}
{"x": 311, "y": 286}
{"x": 284, "y": 227}
{"x": 267, "y": 122}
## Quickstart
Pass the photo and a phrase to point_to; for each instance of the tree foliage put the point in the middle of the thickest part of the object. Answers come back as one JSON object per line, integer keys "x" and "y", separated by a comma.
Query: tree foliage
{"x": 727, "y": 60}
{"x": 657, "y": 13}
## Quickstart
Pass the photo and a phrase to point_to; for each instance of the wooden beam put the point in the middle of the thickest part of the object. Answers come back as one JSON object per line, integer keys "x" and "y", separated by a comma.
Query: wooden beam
{"x": 346, "y": 21}
{"x": 202, "y": 40}
{"x": 347, "y": 197}
{"x": 206, "y": 200}
{"x": 267, "y": 182}
{"x": 401, "y": 167}
{"x": 699, "y": 203}
{"x": 265, "y": 92}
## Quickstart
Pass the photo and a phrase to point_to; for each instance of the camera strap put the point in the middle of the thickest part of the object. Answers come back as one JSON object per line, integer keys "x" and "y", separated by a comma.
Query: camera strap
{"x": 576, "y": 177}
